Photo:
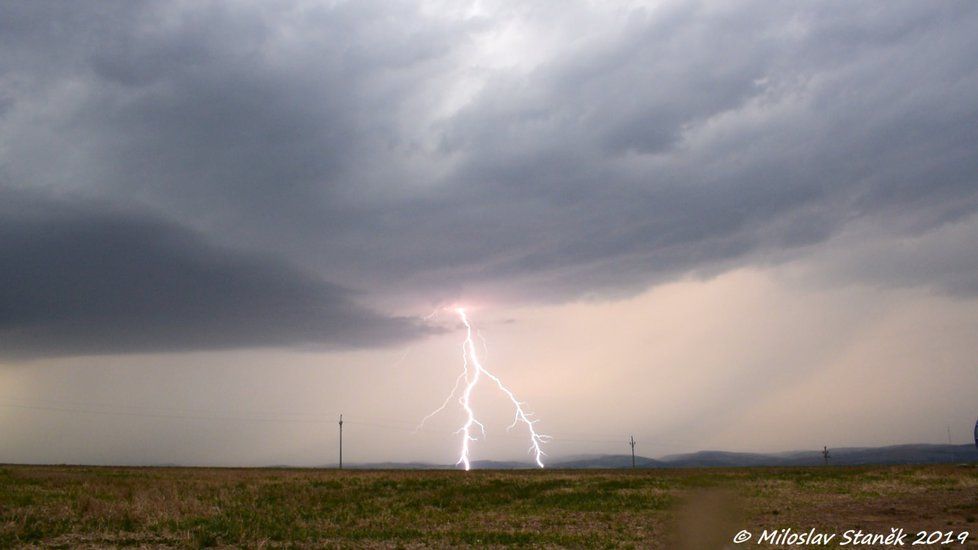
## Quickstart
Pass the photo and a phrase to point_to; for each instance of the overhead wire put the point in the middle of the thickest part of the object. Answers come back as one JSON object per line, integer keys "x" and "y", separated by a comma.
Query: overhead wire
{"x": 171, "y": 413}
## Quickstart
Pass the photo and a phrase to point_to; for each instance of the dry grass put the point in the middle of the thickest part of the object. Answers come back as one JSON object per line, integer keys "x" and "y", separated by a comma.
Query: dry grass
{"x": 75, "y": 507}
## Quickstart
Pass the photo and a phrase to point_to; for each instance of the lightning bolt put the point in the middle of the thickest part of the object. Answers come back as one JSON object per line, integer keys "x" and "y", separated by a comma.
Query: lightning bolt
{"x": 472, "y": 371}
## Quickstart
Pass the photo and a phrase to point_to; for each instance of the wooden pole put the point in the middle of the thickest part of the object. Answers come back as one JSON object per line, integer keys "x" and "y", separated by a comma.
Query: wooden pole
{"x": 631, "y": 441}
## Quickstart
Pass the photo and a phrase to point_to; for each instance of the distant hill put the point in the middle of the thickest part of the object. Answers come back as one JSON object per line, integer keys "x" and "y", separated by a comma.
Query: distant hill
{"x": 719, "y": 459}
{"x": 843, "y": 456}
{"x": 395, "y": 466}
{"x": 608, "y": 461}
{"x": 898, "y": 454}
{"x": 501, "y": 465}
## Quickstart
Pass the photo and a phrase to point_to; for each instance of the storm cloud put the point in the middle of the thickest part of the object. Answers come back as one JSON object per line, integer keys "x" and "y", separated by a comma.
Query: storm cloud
{"x": 418, "y": 154}
{"x": 83, "y": 279}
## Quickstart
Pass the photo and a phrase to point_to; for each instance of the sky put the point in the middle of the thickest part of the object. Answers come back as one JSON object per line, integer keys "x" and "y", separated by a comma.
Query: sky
{"x": 749, "y": 226}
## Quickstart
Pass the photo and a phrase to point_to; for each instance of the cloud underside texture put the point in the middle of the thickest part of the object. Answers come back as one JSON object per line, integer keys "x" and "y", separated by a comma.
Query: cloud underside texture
{"x": 92, "y": 280}
{"x": 241, "y": 169}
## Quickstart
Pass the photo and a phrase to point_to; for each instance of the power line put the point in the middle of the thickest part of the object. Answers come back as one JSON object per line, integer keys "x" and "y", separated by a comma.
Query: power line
{"x": 160, "y": 415}
{"x": 276, "y": 418}
{"x": 210, "y": 413}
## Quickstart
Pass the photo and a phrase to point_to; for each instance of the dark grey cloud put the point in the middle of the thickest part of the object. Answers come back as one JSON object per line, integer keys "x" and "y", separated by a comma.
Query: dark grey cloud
{"x": 388, "y": 148}
{"x": 85, "y": 278}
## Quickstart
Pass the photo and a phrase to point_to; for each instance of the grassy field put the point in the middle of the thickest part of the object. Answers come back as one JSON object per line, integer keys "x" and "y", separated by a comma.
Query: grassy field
{"x": 75, "y": 507}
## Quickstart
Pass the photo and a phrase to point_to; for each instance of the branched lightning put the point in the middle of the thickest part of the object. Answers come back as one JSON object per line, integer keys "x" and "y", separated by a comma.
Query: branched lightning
{"x": 443, "y": 405}
{"x": 472, "y": 371}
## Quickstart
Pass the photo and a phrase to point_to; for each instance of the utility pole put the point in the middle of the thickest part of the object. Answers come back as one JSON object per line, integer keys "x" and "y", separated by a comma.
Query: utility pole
{"x": 631, "y": 441}
{"x": 341, "y": 442}
{"x": 826, "y": 455}
{"x": 948, "y": 434}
